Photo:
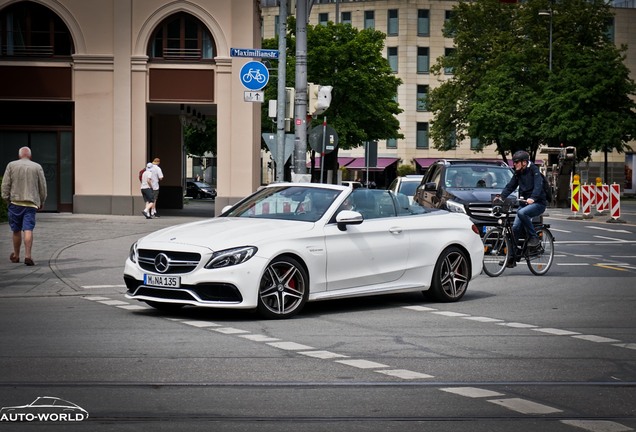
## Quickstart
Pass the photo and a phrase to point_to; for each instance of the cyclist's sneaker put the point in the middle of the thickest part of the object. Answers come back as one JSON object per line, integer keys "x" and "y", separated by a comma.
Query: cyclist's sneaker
{"x": 534, "y": 242}
{"x": 510, "y": 264}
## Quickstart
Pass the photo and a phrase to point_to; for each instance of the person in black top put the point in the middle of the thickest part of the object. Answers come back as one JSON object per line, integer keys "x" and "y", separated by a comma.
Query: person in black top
{"x": 530, "y": 183}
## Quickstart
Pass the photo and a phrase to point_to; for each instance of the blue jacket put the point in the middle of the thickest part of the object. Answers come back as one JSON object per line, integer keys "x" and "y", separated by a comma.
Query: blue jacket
{"x": 530, "y": 183}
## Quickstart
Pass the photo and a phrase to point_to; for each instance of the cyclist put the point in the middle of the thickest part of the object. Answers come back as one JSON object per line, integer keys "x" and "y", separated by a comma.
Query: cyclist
{"x": 530, "y": 183}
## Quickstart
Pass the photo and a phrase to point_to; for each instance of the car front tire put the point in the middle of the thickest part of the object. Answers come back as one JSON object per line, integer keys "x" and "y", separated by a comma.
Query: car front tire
{"x": 283, "y": 290}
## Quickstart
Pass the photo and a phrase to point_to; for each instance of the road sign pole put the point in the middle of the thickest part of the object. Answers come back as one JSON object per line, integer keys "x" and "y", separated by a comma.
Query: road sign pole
{"x": 322, "y": 152}
{"x": 280, "y": 110}
{"x": 300, "y": 151}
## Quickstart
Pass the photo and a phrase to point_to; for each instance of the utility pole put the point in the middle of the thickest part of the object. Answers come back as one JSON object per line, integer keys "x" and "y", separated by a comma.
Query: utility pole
{"x": 300, "y": 100}
{"x": 280, "y": 107}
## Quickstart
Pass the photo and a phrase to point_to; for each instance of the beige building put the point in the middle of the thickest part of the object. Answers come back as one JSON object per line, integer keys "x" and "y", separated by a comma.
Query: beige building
{"x": 414, "y": 41}
{"x": 97, "y": 88}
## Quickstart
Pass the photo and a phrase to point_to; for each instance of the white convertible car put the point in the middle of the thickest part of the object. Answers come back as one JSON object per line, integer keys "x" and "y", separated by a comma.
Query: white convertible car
{"x": 290, "y": 243}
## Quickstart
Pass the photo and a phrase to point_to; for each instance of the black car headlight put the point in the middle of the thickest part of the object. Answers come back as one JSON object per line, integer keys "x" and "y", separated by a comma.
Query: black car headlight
{"x": 132, "y": 254}
{"x": 230, "y": 257}
{"x": 455, "y": 207}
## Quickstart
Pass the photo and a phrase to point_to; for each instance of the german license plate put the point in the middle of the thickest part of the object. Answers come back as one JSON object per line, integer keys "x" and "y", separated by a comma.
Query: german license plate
{"x": 162, "y": 281}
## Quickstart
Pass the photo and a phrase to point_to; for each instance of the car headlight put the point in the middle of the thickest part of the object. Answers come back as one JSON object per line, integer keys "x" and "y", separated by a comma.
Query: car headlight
{"x": 132, "y": 254}
{"x": 455, "y": 207}
{"x": 230, "y": 257}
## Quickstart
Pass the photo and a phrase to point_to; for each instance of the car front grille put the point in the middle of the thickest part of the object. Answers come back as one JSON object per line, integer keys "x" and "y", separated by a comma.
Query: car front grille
{"x": 204, "y": 292}
{"x": 482, "y": 212}
{"x": 177, "y": 262}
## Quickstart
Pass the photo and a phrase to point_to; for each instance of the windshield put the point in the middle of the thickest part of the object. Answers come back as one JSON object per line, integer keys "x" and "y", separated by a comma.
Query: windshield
{"x": 297, "y": 203}
{"x": 479, "y": 176}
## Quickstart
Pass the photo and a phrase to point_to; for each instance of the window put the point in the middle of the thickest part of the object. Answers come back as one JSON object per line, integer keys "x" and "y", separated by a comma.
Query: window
{"x": 423, "y": 60}
{"x": 447, "y": 16}
{"x": 391, "y": 143}
{"x": 369, "y": 19}
{"x": 451, "y": 141}
{"x": 181, "y": 37}
{"x": 610, "y": 30}
{"x": 421, "y": 138}
{"x": 323, "y": 18}
{"x": 345, "y": 18}
{"x": 448, "y": 52}
{"x": 475, "y": 144}
{"x": 423, "y": 22}
{"x": 276, "y": 24}
{"x": 422, "y": 95}
{"x": 393, "y": 58}
{"x": 392, "y": 22}
{"x": 28, "y": 29}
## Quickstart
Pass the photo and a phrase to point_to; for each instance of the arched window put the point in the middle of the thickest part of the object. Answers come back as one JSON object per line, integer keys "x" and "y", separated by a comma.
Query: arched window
{"x": 28, "y": 29}
{"x": 181, "y": 37}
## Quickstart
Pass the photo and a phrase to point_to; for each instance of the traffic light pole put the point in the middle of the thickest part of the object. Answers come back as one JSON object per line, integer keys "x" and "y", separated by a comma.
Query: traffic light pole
{"x": 300, "y": 100}
{"x": 280, "y": 108}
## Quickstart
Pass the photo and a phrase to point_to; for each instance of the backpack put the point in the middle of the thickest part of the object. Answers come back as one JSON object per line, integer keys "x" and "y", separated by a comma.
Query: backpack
{"x": 141, "y": 173}
{"x": 547, "y": 190}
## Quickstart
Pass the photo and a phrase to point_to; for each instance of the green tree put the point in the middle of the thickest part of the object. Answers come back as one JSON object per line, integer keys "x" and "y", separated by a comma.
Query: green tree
{"x": 363, "y": 106}
{"x": 197, "y": 142}
{"x": 503, "y": 92}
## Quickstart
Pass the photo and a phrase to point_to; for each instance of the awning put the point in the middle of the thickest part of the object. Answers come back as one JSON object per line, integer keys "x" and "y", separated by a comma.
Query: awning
{"x": 383, "y": 163}
{"x": 425, "y": 162}
{"x": 342, "y": 161}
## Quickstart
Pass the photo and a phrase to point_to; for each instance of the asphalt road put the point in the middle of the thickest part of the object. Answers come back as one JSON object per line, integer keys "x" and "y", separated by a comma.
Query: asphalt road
{"x": 519, "y": 352}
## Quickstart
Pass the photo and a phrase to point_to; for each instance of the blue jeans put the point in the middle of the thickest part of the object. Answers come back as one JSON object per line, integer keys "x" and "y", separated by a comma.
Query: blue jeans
{"x": 523, "y": 220}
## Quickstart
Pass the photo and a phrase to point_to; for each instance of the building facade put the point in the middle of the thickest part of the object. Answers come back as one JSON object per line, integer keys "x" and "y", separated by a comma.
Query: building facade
{"x": 413, "y": 43}
{"x": 97, "y": 88}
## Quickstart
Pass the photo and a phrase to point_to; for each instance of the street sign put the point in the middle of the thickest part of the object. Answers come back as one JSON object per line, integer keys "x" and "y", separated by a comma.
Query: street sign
{"x": 272, "y": 145}
{"x": 254, "y": 75}
{"x": 254, "y": 53}
{"x": 254, "y": 96}
{"x": 316, "y": 139}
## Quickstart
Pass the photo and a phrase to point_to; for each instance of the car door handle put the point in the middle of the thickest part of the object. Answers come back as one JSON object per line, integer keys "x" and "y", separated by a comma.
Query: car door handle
{"x": 395, "y": 230}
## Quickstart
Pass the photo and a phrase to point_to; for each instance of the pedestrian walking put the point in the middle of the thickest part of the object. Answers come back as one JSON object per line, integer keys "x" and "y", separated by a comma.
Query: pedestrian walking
{"x": 157, "y": 176}
{"x": 24, "y": 190}
{"x": 146, "y": 190}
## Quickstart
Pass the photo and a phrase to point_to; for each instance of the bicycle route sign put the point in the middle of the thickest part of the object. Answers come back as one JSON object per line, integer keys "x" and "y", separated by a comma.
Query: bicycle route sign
{"x": 254, "y": 75}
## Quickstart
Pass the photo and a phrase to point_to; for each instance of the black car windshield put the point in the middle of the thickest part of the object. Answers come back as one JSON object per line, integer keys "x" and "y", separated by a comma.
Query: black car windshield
{"x": 477, "y": 176}
{"x": 296, "y": 203}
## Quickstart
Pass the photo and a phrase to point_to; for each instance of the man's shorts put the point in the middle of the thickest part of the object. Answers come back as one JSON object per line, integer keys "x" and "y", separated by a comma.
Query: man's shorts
{"x": 147, "y": 194}
{"x": 21, "y": 218}
{"x": 155, "y": 194}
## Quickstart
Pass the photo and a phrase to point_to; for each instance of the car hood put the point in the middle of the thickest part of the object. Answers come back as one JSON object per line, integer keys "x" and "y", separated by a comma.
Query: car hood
{"x": 469, "y": 195}
{"x": 224, "y": 232}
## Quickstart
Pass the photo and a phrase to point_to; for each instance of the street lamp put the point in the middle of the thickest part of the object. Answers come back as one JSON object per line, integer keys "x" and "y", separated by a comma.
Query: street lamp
{"x": 548, "y": 13}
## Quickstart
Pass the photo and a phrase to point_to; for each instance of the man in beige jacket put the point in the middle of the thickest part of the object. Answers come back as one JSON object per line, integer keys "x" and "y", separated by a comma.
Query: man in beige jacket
{"x": 24, "y": 190}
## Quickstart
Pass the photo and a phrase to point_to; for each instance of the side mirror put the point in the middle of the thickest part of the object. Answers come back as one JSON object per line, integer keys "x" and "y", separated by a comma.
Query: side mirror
{"x": 430, "y": 187}
{"x": 348, "y": 217}
{"x": 226, "y": 208}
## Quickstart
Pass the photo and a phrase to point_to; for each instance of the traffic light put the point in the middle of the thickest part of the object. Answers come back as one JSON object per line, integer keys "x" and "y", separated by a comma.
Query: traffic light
{"x": 290, "y": 94}
{"x": 318, "y": 98}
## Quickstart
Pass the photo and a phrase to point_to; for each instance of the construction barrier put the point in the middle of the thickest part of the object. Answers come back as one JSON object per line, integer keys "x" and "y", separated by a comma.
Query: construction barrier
{"x": 576, "y": 191}
{"x": 599, "y": 196}
{"x": 606, "y": 195}
{"x": 615, "y": 201}
{"x": 587, "y": 197}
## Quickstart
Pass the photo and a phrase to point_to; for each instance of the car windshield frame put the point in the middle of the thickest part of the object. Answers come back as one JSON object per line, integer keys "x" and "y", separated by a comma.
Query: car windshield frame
{"x": 477, "y": 176}
{"x": 287, "y": 202}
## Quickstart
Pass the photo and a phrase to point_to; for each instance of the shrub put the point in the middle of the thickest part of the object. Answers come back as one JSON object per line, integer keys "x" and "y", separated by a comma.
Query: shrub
{"x": 405, "y": 169}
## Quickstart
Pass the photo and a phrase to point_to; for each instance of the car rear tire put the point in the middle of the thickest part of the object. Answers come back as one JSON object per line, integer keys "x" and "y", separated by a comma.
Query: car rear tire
{"x": 451, "y": 275}
{"x": 283, "y": 290}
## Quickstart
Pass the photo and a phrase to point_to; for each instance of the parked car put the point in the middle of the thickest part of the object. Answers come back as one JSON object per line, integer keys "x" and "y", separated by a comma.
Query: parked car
{"x": 352, "y": 184}
{"x": 290, "y": 243}
{"x": 406, "y": 185}
{"x": 199, "y": 190}
{"x": 464, "y": 186}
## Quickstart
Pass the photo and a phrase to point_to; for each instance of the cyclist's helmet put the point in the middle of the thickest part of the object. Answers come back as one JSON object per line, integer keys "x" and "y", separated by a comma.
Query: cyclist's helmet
{"x": 520, "y": 155}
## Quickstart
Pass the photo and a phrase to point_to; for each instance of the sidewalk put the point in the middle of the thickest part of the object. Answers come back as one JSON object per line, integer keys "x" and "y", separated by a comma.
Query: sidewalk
{"x": 79, "y": 254}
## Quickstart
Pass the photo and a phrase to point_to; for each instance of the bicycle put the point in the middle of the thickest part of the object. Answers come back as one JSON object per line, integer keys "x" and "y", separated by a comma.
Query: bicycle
{"x": 254, "y": 74}
{"x": 499, "y": 244}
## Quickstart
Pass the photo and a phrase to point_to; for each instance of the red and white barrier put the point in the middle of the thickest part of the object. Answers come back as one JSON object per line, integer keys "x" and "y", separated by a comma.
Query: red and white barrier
{"x": 615, "y": 201}
{"x": 586, "y": 199}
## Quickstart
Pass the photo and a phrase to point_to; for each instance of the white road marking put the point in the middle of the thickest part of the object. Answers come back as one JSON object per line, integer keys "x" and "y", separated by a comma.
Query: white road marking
{"x": 102, "y": 286}
{"x": 404, "y": 374}
{"x": 471, "y": 392}
{"x": 420, "y": 308}
{"x": 626, "y": 345}
{"x": 325, "y": 355}
{"x": 611, "y": 238}
{"x": 572, "y": 264}
{"x": 259, "y": 338}
{"x": 524, "y": 406}
{"x": 96, "y": 298}
{"x": 517, "y": 325}
{"x": 290, "y": 346}
{"x": 482, "y": 319}
{"x": 557, "y": 332}
{"x": 608, "y": 229}
{"x": 559, "y": 230}
{"x": 593, "y": 338}
{"x": 201, "y": 324}
{"x": 362, "y": 364}
{"x": 598, "y": 425}
{"x": 229, "y": 330}
{"x": 133, "y": 307}
{"x": 587, "y": 256}
{"x": 451, "y": 314}
{"x": 112, "y": 302}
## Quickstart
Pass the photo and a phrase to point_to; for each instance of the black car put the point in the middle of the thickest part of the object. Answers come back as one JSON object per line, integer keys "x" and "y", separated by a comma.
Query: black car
{"x": 464, "y": 186}
{"x": 199, "y": 190}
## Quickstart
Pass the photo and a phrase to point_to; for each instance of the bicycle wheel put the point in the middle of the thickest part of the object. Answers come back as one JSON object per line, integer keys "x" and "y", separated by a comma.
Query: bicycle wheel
{"x": 540, "y": 263}
{"x": 497, "y": 249}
